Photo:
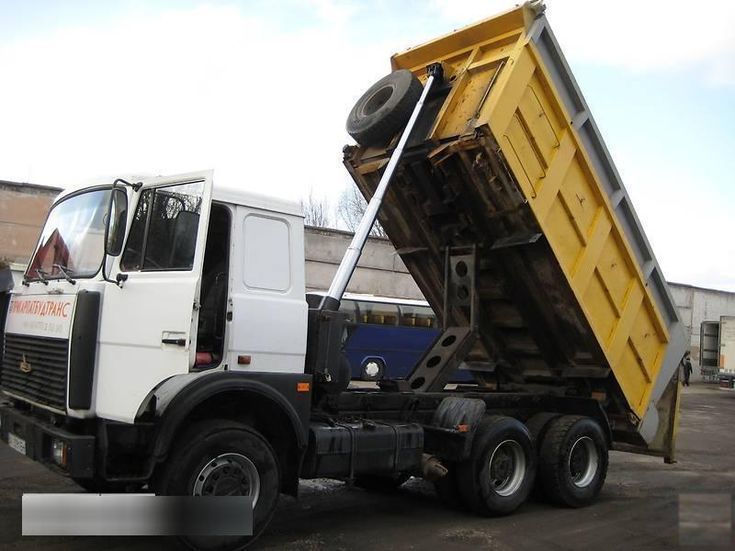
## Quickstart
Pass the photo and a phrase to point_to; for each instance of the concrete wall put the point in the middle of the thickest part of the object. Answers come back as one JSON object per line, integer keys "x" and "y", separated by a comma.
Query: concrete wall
{"x": 379, "y": 272}
{"x": 697, "y": 305}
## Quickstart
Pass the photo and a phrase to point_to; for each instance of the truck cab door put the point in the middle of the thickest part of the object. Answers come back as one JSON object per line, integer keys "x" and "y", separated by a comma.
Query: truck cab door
{"x": 148, "y": 324}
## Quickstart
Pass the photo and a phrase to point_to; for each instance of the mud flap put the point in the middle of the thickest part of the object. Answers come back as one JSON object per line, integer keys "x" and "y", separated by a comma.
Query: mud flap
{"x": 660, "y": 425}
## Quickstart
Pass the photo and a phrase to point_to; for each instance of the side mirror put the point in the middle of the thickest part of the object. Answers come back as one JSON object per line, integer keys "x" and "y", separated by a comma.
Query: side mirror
{"x": 117, "y": 217}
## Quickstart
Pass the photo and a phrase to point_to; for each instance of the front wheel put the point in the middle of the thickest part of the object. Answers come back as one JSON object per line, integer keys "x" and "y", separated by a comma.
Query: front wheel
{"x": 573, "y": 460}
{"x": 224, "y": 458}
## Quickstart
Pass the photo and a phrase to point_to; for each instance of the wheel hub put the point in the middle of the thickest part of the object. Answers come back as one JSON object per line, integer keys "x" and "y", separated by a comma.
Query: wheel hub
{"x": 228, "y": 474}
{"x": 584, "y": 462}
{"x": 377, "y": 100}
{"x": 372, "y": 369}
{"x": 507, "y": 467}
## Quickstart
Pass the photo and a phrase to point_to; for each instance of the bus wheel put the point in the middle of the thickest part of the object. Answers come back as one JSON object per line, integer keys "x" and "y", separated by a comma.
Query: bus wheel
{"x": 499, "y": 475}
{"x": 573, "y": 460}
{"x": 372, "y": 369}
{"x": 220, "y": 457}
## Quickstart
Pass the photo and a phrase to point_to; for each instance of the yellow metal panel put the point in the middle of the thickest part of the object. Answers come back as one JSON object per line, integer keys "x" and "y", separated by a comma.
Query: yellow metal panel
{"x": 586, "y": 266}
{"x": 616, "y": 271}
{"x": 583, "y": 232}
{"x": 555, "y": 175}
{"x": 502, "y": 83}
{"x": 468, "y": 38}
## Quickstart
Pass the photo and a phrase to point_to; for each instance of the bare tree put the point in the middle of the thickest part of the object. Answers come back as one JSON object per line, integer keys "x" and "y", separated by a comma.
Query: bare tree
{"x": 316, "y": 212}
{"x": 351, "y": 208}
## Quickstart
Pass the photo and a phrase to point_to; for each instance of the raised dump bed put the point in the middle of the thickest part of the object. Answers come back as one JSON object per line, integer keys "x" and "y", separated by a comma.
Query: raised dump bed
{"x": 506, "y": 159}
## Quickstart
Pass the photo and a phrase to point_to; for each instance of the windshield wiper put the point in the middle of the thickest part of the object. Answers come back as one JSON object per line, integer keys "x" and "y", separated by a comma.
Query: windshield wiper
{"x": 42, "y": 276}
{"x": 63, "y": 270}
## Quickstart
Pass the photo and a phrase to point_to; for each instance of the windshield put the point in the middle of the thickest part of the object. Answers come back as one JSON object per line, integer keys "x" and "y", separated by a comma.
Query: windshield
{"x": 72, "y": 240}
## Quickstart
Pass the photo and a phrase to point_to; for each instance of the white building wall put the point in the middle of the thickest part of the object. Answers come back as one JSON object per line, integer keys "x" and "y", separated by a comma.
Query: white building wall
{"x": 697, "y": 304}
{"x": 379, "y": 272}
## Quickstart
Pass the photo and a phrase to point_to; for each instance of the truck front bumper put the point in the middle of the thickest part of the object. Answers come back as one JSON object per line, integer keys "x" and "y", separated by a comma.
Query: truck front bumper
{"x": 36, "y": 439}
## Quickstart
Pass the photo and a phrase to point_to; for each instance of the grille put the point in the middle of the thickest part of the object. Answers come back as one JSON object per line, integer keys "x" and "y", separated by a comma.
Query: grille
{"x": 46, "y": 382}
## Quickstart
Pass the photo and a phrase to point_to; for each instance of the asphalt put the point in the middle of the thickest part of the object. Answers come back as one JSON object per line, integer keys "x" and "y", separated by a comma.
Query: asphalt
{"x": 645, "y": 504}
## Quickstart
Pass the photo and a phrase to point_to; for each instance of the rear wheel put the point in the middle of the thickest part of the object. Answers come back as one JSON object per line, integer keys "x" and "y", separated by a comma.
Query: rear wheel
{"x": 499, "y": 475}
{"x": 221, "y": 457}
{"x": 538, "y": 424}
{"x": 573, "y": 461}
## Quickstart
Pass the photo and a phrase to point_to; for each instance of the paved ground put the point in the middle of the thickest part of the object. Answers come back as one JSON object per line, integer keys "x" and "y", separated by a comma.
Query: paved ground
{"x": 639, "y": 507}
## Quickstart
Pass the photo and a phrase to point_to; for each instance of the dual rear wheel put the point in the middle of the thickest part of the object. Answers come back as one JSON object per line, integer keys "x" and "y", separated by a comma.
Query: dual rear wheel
{"x": 573, "y": 460}
{"x": 565, "y": 456}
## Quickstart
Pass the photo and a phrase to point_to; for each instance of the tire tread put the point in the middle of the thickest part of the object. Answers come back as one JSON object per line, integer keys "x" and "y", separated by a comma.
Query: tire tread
{"x": 551, "y": 479}
{"x": 381, "y": 129}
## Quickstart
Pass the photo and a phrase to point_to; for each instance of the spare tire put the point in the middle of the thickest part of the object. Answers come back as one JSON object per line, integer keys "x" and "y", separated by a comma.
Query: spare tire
{"x": 384, "y": 109}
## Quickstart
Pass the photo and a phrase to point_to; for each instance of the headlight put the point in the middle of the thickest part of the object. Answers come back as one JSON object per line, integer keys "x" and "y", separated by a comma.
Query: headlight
{"x": 59, "y": 452}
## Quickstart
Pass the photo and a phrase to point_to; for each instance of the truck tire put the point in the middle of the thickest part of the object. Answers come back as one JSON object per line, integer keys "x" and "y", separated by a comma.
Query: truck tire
{"x": 499, "y": 475}
{"x": 221, "y": 457}
{"x": 538, "y": 424}
{"x": 573, "y": 461}
{"x": 384, "y": 109}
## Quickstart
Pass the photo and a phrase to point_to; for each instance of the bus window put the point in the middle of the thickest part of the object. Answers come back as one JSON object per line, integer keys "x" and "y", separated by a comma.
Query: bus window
{"x": 350, "y": 307}
{"x": 417, "y": 316}
{"x": 377, "y": 313}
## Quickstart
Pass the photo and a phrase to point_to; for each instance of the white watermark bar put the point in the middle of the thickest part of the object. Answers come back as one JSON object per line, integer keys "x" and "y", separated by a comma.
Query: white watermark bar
{"x": 136, "y": 515}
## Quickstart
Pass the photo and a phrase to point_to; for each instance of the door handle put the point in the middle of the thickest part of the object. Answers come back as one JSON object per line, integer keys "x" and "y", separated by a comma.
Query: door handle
{"x": 177, "y": 342}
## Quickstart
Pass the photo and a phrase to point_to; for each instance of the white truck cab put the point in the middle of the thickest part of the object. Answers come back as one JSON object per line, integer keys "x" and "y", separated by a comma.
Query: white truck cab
{"x": 198, "y": 260}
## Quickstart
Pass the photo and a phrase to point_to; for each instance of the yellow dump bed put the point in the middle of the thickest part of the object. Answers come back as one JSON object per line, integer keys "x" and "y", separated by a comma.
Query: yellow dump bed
{"x": 508, "y": 156}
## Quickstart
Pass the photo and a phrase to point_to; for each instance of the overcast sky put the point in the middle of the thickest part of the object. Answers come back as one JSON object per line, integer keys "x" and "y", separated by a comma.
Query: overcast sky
{"x": 259, "y": 91}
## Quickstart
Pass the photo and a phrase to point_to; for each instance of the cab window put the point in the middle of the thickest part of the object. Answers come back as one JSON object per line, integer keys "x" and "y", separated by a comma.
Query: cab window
{"x": 163, "y": 234}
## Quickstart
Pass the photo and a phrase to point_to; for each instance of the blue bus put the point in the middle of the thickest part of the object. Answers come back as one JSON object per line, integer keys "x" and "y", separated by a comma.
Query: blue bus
{"x": 389, "y": 335}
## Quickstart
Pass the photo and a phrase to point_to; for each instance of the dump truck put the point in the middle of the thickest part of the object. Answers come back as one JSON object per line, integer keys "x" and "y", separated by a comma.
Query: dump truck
{"x": 162, "y": 339}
